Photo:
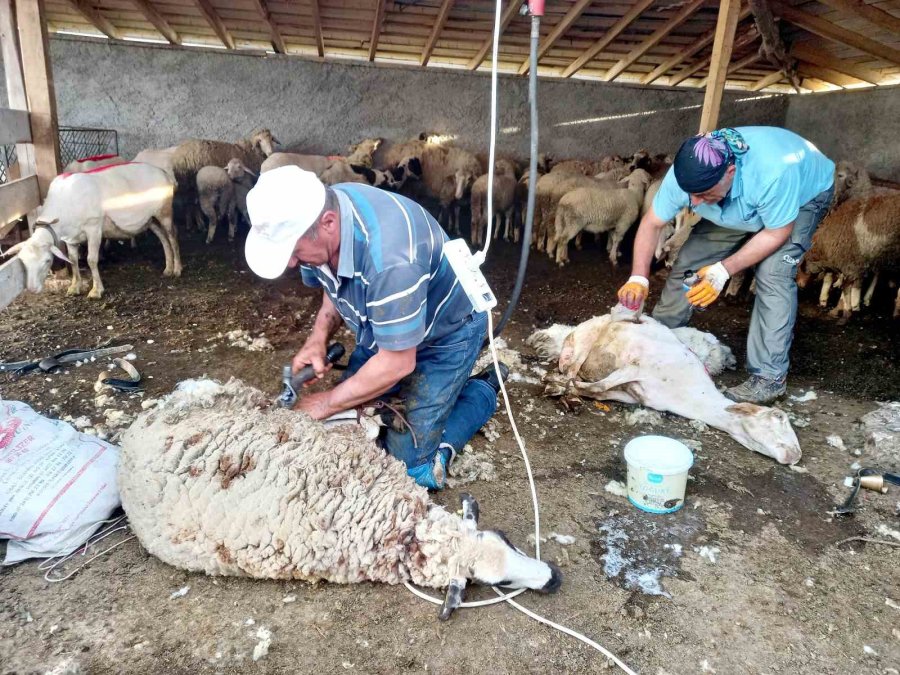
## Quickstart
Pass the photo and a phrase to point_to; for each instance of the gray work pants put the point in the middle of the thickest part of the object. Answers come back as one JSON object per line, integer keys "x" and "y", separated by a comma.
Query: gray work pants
{"x": 775, "y": 308}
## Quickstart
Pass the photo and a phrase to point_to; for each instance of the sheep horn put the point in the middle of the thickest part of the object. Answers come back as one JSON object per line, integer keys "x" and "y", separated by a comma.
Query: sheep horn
{"x": 246, "y": 170}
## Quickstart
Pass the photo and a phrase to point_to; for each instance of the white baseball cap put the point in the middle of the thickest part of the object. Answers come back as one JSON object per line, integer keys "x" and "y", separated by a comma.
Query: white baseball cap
{"x": 283, "y": 205}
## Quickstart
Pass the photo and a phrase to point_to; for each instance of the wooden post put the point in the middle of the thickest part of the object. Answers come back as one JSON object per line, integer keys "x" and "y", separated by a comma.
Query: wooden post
{"x": 729, "y": 11}
{"x": 15, "y": 85}
{"x": 39, "y": 89}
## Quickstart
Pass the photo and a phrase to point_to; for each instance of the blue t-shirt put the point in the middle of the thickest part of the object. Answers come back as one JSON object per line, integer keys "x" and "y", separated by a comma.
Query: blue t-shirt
{"x": 778, "y": 174}
{"x": 393, "y": 286}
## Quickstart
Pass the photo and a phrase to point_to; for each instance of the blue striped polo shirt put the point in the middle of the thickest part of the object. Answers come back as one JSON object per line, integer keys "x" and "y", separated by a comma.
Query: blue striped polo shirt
{"x": 393, "y": 286}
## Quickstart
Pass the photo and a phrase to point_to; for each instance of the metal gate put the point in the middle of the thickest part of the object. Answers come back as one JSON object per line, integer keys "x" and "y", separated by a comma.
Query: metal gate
{"x": 74, "y": 143}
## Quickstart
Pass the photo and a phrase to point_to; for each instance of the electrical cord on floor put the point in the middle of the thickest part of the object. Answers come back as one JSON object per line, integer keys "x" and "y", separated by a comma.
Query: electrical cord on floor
{"x": 508, "y": 597}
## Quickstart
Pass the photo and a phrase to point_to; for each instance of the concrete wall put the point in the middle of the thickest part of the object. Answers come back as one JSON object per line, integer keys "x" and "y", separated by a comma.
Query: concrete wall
{"x": 156, "y": 97}
{"x": 858, "y": 125}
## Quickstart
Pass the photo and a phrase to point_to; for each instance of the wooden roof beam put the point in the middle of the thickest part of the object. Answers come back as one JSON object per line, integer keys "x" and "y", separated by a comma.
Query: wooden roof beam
{"x": 653, "y": 40}
{"x": 96, "y": 19}
{"x": 747, "y": 38}
{"x": 558, "y": 31}
{"x": 828, "y": 75}
{"x": 614, "y": 31}
{"x": 768, "y": 80}
{"x": 159, "y": 22}
{"x": 277, "y": 42}
{"x": 376, "y": 28}
{"x": 209, "y": 13}
{"x": 804, "y": 52}
{"x": 723, "y": 46}
{"x": 870, "y": 13}
{"x": 686, "y": 53}
{"x": 832, "y": 31}
{"x": 317, "y": 27}
{"x": 512, "y": 9}
{"x": 443, "y": 13}
{"x": 736, "y": 66}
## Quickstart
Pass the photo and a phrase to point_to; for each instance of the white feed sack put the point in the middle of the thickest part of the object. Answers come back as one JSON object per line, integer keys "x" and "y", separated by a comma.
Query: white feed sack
{"x": 56, "y": 485}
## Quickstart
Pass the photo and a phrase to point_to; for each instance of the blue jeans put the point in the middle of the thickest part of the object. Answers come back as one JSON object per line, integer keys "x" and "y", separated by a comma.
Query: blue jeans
{"x": 775, "y": 309}
{"x": 443, "y": 405}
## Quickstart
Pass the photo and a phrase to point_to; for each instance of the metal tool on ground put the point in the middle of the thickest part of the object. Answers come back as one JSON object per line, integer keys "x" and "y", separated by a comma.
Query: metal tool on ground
{"x": 50, "y": 363}
{"x": 869, "y": 479}
{"x": 292, "y": 382}
{"x": 133, "y": 383}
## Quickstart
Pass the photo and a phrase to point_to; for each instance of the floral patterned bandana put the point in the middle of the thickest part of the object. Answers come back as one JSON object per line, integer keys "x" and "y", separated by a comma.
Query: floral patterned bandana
{"x": 702, "y": 160}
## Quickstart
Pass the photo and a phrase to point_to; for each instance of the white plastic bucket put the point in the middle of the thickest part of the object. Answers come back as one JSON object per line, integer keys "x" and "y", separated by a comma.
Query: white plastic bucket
{"x": 657, "y": 473}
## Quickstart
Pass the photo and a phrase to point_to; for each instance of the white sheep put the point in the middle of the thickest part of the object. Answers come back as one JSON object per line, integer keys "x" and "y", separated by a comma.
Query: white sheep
{"x": 504, "y": 198}
{"x": 222, "y": 192}
{"x": 649, "y": 364}
{"x": 91, "y": 163}
{"x": 599, "y": 209}
{"x": 360, "y": 154}
{"x": 115, "y": 202}
{"x": 160, "y": 158}
{"x": 217, "y": 480}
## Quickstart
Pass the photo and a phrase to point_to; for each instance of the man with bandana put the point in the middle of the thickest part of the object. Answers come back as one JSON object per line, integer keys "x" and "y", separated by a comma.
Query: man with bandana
{"x": 761, "y": 192}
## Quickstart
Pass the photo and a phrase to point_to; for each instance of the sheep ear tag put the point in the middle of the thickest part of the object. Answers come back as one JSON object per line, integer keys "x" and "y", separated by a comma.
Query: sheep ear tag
{"x": 59, "y": 254}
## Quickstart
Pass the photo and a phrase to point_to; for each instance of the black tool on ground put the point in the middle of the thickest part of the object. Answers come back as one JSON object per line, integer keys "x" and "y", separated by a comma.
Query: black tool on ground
{"x": 292, "y": 383}
{"x": 50, "y": 363}
{"x": 133, "y": 383}
{"x": 870, "y": 479}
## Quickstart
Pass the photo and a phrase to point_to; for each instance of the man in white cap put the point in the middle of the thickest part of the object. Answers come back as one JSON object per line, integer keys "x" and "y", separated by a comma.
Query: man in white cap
{"x": 378, "y": 258}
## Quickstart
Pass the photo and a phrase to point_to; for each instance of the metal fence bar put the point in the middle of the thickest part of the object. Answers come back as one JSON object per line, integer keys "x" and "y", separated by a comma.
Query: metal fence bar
{"x": 74, "y": 143}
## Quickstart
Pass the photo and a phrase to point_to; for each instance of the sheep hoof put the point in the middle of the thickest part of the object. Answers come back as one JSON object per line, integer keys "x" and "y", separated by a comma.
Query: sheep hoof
{"x": 74, "y": 289}
{"x": 95, "y": 294}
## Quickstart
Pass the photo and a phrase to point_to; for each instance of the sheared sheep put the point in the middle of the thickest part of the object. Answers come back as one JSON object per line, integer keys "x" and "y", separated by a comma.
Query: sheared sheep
{"x": 160, "y": 158}
{"x": 647, "y": 363}
{"x": 215, "y": 479}
{"x": 504, "y": 205}
{"x": 90, "y": 163}
{"x": 598, "y": 209}
{"x": 114, "y": 202}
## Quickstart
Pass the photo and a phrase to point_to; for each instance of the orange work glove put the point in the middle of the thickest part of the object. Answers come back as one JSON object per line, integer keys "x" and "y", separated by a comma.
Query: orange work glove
{"x": 634, "y": 292}
{"x": 712, "y": 280}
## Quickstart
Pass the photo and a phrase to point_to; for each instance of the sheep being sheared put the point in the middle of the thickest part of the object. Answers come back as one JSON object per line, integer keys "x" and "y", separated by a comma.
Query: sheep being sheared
{"x": 216, "y": 480}
{"x": 647, "y": 363}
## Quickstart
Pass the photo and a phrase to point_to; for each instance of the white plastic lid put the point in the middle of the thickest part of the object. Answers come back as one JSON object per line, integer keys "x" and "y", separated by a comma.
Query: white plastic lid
{"x": 659, "y": 454}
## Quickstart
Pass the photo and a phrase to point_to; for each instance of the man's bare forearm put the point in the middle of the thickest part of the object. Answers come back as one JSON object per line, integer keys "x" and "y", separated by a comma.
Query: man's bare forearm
{"x": 761, "y": 245}
{"x": 328, "y": 320}
{"x": 645, "y": 244}
{"x": 378, "y": 375}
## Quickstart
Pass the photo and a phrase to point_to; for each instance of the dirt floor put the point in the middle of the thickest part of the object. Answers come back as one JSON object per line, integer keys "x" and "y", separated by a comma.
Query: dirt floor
{"x": 750, "y": 577}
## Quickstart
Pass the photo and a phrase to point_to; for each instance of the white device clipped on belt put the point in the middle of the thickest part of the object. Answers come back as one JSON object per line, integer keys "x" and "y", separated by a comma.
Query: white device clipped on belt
{"x": 468, "y": 270}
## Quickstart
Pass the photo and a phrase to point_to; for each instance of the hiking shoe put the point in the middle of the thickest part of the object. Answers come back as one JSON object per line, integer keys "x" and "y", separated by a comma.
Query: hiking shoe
{"x": 758, "y": 390}
{"x": 489, "y": 375}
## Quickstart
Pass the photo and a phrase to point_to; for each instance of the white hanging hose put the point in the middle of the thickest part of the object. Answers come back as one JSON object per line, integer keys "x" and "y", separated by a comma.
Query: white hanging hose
{"x": 508, "y": 597}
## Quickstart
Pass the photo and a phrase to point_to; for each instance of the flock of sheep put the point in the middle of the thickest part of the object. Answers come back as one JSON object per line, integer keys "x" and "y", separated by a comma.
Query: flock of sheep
{"x": 202, "y": 183}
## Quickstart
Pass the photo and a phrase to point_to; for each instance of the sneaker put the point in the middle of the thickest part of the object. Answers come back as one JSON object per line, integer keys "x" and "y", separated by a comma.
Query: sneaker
{"x": 758, "y": 390}
{"x": 489, "y": 375}
{"x": 434, "y": 475}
